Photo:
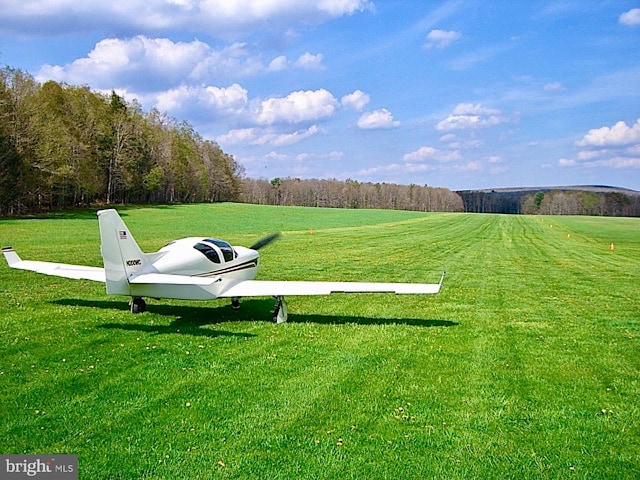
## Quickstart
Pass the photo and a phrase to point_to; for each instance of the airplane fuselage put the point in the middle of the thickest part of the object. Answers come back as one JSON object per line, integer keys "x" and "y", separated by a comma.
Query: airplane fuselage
{"x": 193, "y": 268}
{"x": 205, "y": 257}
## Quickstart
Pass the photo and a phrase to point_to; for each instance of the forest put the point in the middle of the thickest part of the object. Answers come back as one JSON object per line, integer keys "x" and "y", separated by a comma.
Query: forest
{"x": 65, "y": 146}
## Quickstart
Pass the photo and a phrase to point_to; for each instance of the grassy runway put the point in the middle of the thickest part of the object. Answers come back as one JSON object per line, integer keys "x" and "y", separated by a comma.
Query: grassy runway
{"x": 526, "y": 365}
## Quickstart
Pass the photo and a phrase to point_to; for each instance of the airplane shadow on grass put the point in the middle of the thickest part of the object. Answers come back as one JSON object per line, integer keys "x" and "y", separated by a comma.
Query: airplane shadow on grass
{"x": 190, "y": 320}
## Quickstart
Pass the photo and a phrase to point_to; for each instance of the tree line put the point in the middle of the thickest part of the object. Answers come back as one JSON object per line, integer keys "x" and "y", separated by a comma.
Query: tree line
{"x": 599, "y": 201}
{"x": 613, "y": 204}
{"x": 65, "y": 146}
{"x": 349, "y": 194}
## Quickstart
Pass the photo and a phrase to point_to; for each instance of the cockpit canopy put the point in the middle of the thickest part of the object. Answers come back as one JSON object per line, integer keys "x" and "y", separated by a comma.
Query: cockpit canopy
{"x": 217, "y": 251}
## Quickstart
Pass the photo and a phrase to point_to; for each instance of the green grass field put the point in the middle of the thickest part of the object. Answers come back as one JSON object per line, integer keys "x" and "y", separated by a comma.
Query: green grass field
{"x": 526, "y": 365}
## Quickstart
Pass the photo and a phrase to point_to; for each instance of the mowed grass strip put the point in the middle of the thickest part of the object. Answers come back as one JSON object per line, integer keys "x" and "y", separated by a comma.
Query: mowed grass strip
{"x": 526, "y": 365}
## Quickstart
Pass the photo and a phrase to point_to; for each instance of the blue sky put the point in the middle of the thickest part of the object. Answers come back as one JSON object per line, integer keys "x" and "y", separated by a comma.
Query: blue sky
{"x": 460, "y": 93}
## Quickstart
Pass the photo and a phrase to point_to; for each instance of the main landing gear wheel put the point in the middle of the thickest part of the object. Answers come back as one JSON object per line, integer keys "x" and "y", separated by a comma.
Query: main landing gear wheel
{"x": 138, "y": 305}
{"x": 280, "y": 312}
{"x": 235, "y": 303}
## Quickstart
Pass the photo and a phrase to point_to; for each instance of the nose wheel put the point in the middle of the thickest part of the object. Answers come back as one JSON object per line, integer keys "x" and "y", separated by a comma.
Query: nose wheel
{"x": 280, "y": 313}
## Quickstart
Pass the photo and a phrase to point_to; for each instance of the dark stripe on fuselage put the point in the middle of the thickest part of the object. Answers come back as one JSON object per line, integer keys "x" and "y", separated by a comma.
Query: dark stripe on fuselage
{"x": 235, "y": 268}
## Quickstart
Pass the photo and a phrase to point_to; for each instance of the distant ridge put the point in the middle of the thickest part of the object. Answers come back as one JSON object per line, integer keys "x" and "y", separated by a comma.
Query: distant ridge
{"x": 566, "y": 188}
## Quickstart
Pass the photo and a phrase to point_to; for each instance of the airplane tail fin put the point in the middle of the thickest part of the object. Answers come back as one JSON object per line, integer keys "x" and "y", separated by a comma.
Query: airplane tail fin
{"x": 121, "y": 254}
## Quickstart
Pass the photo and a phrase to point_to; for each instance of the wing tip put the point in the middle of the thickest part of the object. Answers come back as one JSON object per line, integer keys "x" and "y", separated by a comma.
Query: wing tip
{"x": 11, "y": 256}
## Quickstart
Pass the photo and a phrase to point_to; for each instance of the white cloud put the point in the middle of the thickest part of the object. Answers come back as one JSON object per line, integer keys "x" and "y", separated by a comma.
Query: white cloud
{"x": 381, "y": 118}
{"x": 308, "y": 61}
{"x": 232, "y": 61}
{"x": 620, "y": 162}
{"x": 280, "y": 139}
{"x": 448, "y": 138}
{"x": 414, "y": 162}
{"x": 615, "y": 162}
{"x": 119, "y": 62}
{"x": 441, "y": 39}
{"x": 431, "y": 153}
{"x": 420, "y": 154}
{"x": 633, "y": 150}
{"x": 220, "y": 18}
{"x": 468, "y": 115}
{"x": 616, "y": 147}
{"x": 340, "y": 7}
{"x": 174, "y": 99}
{"x": 454, "y": 142}
{"x": 566, "y": 162}
{"x": 473, "y": 109}
{"x": 300, "y": 106}
{"x": 230, "y": 100}
{"x": 356, "y": 100}
{"x": 590, "y": 154}
{"x": 237, "y": 136}
{"x": 306, "y": 156}
{"x": 472, "y": 166}
{"x": 257, "y": 136}
{"x": 278, "y": 157}
{"x": 177, "y": 77}
{"x": 161, "y": 63}
{"x": 153, "y": 64}
{"x": 449, "y": 155}
{"x": 277, "y": 64}
{"x": 618, "y": 135}
{"x": 632, "y": 17}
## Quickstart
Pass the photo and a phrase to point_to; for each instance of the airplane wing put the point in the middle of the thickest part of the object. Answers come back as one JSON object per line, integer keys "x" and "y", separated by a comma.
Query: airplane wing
{"x": 207, "y": 288}
{"x": 263, "y": 288}
{"x": 56, "y": 269}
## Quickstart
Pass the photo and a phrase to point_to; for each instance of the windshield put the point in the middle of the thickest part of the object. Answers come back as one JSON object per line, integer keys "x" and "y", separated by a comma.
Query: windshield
{"x": 227, "y": 250}
{"x": 208, "y": 251}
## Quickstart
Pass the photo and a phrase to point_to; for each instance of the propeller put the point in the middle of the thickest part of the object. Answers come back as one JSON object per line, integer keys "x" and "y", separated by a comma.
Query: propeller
{"x": 263, "y": 242}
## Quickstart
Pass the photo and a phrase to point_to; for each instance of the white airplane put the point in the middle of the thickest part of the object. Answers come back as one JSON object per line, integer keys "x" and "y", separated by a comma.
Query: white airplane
{"x": 193, "y": 268}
